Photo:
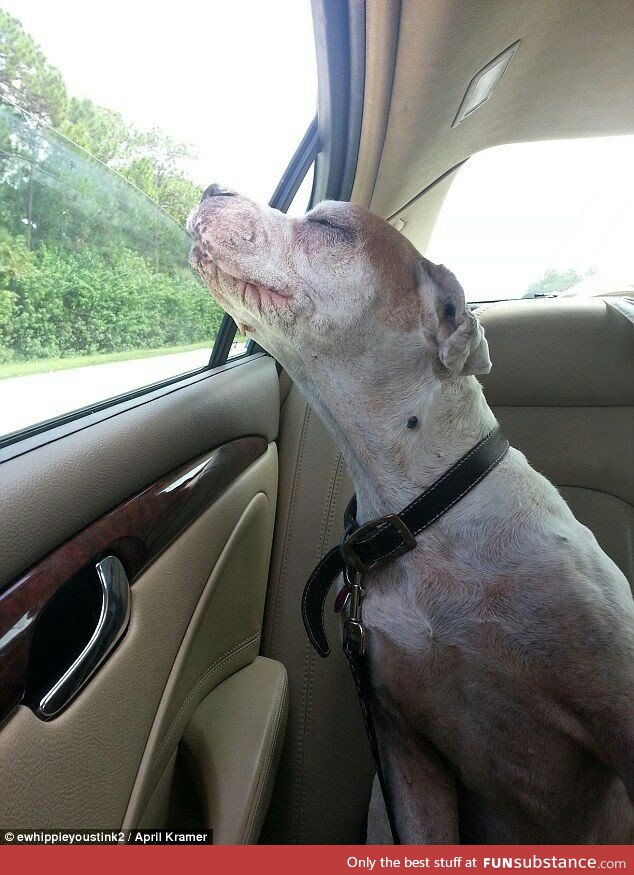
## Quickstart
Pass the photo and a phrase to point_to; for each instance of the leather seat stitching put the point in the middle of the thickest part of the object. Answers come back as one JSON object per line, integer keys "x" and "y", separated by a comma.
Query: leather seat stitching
{"x": 333, "y": 485}
{"x": 265, "y": 767}
{"x": 281, "y": 584}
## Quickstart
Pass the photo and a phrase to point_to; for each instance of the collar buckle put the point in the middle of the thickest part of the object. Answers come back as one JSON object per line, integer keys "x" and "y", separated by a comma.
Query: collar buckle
{"x": 351, "y": 557}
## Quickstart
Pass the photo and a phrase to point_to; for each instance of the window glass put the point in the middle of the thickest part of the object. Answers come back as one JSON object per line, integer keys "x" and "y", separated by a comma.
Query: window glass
{"x": 96, "y": 294}
{"x": 239, "y": 346}
{"x": 538, "y": 219}
{"x": 108, "y": 135}
{"x": 301, "y": 201}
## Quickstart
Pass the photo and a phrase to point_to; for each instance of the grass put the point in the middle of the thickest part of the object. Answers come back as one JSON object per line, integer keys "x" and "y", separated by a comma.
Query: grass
{"x": 41, "y": 366}
{"x": 45, "y": 366}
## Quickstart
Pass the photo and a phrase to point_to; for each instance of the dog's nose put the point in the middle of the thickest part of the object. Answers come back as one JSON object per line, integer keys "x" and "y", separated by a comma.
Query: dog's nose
{"x": 215, "y": 190}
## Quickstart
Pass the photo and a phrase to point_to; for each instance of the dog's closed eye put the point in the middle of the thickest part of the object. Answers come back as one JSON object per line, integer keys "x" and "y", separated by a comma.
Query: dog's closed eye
{"x": 326, "y": 223}
{"x": 332, "y": 232}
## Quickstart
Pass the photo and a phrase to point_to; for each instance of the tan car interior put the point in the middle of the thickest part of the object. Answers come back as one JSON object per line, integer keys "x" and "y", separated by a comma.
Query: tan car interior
{"x": 214, "y": 711}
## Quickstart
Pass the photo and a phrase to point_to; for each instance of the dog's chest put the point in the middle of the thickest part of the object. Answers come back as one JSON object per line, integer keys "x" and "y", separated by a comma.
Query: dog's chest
{"x": 410, "y": 617}
{"x": 431, "y": 646}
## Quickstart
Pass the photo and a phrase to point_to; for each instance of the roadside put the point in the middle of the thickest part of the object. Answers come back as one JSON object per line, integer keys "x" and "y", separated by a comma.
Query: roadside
{"x": 45, "y": 366}
{"x": 33, "y": 398}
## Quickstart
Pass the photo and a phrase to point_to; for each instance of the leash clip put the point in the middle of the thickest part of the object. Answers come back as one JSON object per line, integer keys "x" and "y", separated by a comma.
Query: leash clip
{"x": 355, "y": 634}
{"x": 353, "y": 628}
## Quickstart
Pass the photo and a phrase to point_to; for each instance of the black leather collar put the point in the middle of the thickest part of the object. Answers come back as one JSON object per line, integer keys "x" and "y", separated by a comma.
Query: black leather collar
{"x": 371, "y": 545}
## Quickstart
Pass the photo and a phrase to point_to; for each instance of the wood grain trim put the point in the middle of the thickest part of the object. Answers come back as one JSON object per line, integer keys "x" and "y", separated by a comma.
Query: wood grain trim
{"x": 136, "y": 531}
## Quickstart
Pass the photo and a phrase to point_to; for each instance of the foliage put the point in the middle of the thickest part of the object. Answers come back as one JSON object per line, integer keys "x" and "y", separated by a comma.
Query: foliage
{"x": 150, "y": 159}
{"x": 100, "y": 131}
{"x": 88, "y": 262}
{"x": 26, "y": 77}
{"x": 64, "y": 303}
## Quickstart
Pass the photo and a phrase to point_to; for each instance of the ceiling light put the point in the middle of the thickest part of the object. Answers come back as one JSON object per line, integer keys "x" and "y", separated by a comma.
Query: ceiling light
{"x": 484, "y": 83}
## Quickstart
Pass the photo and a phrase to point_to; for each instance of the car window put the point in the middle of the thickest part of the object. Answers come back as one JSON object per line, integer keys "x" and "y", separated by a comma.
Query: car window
{"x": 301, "y": 202}
{"x": 96, "y": 294}
{"x": 538, "y": 219}
{"x": 99, "y": 167}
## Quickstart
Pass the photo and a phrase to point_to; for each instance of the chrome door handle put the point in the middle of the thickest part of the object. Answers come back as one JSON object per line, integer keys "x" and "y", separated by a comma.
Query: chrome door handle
{"x": 111, "y": 626}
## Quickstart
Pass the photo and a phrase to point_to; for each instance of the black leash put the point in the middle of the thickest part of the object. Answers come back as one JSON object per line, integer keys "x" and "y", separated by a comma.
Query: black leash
{"x": 364, "y": 548}
{"x": 359, "y": 668}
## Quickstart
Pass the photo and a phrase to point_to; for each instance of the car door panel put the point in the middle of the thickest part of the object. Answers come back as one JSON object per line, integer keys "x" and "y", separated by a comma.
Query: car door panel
{"x": 223, "y": 636}
{"x": 235, "y": 738}
{"x": 136, "y": 532}
{"x": 52, "y": 491}
{"x": 196, "y": 545}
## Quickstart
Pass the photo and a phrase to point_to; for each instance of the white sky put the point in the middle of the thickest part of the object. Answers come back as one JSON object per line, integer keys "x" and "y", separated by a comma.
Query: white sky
{"x": 236, "y": 78}
{"x": 515, "y": 211}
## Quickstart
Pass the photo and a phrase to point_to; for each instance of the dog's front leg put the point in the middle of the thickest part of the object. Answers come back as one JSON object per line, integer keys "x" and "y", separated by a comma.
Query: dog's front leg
{"x": 421, "y": 788}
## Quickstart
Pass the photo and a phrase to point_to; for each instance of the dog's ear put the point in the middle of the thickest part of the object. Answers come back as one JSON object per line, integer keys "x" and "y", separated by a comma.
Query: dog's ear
{"x": 462, "y": 346}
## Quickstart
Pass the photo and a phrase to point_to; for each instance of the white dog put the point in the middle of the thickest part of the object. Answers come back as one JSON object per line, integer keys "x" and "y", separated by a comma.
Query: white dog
{"x": 501, "y": 649}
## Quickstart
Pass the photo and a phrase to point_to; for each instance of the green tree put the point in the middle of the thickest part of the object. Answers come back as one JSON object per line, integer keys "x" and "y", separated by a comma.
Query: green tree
{"x": 14, "y": 258}
{"x": 100, "y": 131}
{"x": 150, "y": 159}
{"x": 153, "y": 165}
{"x": 88, "y": 262}
{"x": 26, "y": 77}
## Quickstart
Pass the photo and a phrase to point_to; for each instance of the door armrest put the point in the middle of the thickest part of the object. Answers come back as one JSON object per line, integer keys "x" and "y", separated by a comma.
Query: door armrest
{"x": 234, "y": 738}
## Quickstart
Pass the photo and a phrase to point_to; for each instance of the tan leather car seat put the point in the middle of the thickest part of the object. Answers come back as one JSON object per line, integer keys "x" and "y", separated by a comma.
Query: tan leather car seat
{"x": 324, "y": 779}
{"x": 562, "y": 389}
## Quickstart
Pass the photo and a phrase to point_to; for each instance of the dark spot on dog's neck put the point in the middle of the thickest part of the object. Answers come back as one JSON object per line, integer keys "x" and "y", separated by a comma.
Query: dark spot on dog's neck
{"x": 412, "y": 422}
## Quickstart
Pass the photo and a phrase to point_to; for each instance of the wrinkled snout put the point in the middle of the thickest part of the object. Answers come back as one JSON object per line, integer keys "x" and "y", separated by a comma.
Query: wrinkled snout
{"x": 239, "y": 251}
{"x": 225, "y": 226}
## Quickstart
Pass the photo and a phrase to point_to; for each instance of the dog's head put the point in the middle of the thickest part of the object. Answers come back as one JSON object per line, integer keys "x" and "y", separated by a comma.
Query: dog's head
{"x": 337, "y": 276}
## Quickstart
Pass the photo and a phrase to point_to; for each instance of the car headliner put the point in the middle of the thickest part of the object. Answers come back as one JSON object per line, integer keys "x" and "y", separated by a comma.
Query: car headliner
{"x": 571, "y": 77}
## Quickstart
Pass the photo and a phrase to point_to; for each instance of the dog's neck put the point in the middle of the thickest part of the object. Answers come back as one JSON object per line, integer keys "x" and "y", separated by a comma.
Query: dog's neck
{"x": 366, "y": 406}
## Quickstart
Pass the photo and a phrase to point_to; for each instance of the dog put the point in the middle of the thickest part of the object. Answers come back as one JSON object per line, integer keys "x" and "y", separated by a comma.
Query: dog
{"x": 501, "y": 648}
